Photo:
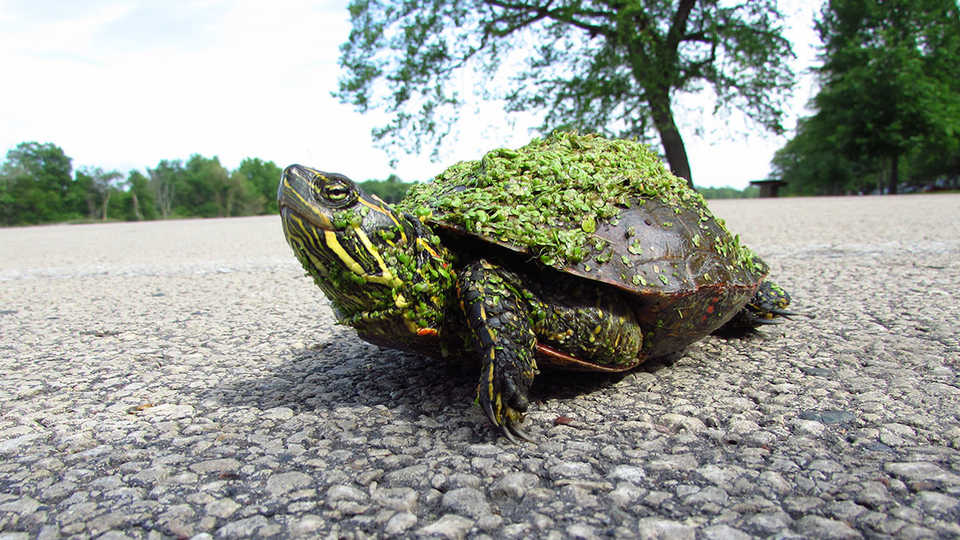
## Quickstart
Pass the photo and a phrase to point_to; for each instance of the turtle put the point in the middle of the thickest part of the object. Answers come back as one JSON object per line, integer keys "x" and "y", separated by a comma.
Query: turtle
{"x": 574, "y": 251}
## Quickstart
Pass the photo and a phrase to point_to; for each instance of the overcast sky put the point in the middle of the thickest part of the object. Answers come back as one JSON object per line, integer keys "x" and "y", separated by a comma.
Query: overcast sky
{"x": 123, "y": 84}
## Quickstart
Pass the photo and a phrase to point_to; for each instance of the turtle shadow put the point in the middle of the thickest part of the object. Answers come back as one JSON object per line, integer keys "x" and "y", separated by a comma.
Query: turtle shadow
{"x": 343, "y": 371}
{"x": 342, "y": 379}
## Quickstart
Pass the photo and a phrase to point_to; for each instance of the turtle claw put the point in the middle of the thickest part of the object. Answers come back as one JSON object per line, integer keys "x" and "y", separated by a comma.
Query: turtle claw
{"x": 508, "y": 421}
{"x": 512, "y": 431}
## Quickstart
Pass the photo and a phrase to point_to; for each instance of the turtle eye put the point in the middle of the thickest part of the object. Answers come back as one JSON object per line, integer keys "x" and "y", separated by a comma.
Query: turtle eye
{"x": 338, "y": 193}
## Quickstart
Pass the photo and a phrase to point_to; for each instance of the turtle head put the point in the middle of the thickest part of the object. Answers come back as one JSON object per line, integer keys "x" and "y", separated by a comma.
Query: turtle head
{"x": 348, "y": 240}
{"x": 770, "y": 301}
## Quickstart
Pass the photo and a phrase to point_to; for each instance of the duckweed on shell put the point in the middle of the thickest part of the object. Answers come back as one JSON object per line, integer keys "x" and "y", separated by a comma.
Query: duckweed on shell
{"x": 550, "y": 196}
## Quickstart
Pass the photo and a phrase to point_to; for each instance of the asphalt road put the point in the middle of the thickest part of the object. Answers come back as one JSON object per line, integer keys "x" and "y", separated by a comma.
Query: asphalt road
{"x": 182, "y": 378}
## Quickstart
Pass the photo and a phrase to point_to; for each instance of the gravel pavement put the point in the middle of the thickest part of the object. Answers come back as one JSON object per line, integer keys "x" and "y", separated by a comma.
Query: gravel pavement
{"x": 184, "y": 379}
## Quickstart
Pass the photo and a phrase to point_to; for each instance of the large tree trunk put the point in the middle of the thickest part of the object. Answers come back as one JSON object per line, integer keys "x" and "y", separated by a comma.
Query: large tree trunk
{"x": 136, "y": 207}
{"x": 670, "y": 137}
{"x": 894, "y": 174}
{"x": 106, "y": 204}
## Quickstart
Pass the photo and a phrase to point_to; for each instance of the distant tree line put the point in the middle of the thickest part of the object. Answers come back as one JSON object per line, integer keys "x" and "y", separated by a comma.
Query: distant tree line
{"x": 38, "y": 185}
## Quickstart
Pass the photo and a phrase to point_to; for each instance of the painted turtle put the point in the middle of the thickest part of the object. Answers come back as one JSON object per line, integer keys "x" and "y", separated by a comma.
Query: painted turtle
{"x": 573, "y": 251}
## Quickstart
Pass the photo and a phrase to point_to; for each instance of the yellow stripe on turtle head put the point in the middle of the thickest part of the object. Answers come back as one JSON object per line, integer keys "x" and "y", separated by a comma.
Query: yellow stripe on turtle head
{"x": 386, "y": 277}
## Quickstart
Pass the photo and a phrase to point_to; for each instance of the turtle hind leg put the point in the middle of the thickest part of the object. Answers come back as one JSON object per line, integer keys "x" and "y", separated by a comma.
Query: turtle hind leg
{"x": 767, "y": 304}
{"x": 498, "y": 316}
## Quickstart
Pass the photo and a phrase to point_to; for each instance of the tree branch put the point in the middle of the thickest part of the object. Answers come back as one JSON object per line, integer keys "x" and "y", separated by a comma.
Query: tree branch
{"x": 559, "y": 15}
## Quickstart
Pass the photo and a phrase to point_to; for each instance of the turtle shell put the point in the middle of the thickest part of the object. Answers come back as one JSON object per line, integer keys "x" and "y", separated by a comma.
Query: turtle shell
{"x": 607, "y": 211}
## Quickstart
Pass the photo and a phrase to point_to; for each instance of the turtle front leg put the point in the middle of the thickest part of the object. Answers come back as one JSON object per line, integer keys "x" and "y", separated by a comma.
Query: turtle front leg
{"x": 498, "y": 317}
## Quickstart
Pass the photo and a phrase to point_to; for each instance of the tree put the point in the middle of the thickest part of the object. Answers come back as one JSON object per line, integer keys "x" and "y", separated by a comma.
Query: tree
{"x": 890, "y": 78}
{"x": 163, "y": 183}
{"x": 36, "y": 185}
{"x": 141, "y": 197}
{"x": 263, "y": 177}
{"x": 99, "y": 186}
{"x": 610, "y": 66}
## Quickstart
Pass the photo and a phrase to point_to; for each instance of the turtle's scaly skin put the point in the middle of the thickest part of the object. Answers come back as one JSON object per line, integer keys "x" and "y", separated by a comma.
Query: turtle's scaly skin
{"x": 574, "y": 251}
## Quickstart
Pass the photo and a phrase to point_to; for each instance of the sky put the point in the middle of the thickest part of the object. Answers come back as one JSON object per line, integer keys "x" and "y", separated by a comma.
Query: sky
{"x": 123, "y": 84}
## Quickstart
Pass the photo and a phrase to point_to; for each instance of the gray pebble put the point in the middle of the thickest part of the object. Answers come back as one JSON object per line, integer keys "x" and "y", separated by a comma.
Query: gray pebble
{"x": 724, "y": 532}
{"x": 513, "y": 485}
{"x": 449, "y": 526}
{"x": 828, "y": 529}
{"x": 658, "y": 528}
{"x": 278, "y": 484}
{"x": 466, "y": 501}
{"x": 937, "y": 503}
{"x": 630, "y": 473}
{"x": 400, "y": 523}
{"x": 922, "y": 470}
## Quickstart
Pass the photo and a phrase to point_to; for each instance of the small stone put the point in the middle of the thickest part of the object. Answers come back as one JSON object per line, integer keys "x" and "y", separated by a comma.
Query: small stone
{"x": 724, "y": 532}
{"x": 414, "y": 475}
{"x": 679, "y": 421}
{"x": 571, "y": 469}
{"x": 846, "y": 511}
{"x": 222, "y": 508}
{"x": 837, "y": 417}
{"x": 484, "y": 450}
{"x": 345, "y": 493}
{"x": 825, "y": 465}
{"x": 720, "y": 475}
{"x": 252, "y": 526}
{"x": 278, "y": 413}
{"x": 400, "y": 523}
{"x": 580, "y": 530}
{"x": 656, "y": 528}
{"x": 305, "y": 526}
{"x": 449, "y": 526}
{"x": 625, "y": 494}
{"x": 468, "y": 501}
{"x": 872, "y": 495}
{"x": 776, "y": 482}
{"x": 708, "y": 495}
{"x": 741, "y": 426}
{"x": 630, "y": 473}
{"x": 514, "y": 485}
{"x": 22, "y": 506}
{"x": 801, "y": 505}
{"x": 490, "y": 522}
{"x": 673, "y": 462}
{"x": 169, "y": 411}
{"x": 216, "y": 466}
{"x": 828, "y": 529}
{"x": 106, "y": 522}
{"x": 921, "y": 471}
{"x": 14, "y": 445}
{"x": 937, "y": 503}
{"x": 771, "y": 522}
{"x": 402, "y": 499}
{"x": 809, "y": 427}
{"x": 278, "y": 484}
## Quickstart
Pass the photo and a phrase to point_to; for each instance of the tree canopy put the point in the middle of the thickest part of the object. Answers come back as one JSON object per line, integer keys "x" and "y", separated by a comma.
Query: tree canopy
{"x": 607, "y": 66}
{"x": 890, "y": 94}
